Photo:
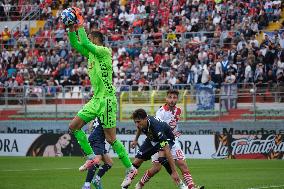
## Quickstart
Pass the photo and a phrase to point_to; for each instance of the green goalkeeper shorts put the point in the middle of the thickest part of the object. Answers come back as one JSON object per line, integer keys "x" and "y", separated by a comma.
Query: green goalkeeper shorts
{"x": 103, "y": 108}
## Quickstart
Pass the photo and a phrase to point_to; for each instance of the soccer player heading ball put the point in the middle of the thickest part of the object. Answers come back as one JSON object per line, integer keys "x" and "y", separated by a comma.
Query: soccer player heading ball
{"x": 103, "y": 103}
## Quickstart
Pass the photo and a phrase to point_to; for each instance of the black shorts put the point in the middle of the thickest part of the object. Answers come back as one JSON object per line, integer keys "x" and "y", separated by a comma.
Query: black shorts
{"x": 149, "y": 148}
{"x": 99, "y": 148}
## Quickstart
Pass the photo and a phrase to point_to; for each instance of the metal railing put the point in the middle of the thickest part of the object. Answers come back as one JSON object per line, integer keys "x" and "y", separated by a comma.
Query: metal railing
{"x": 81, "y": 92}
{"x": 137, "y": 39}
{"x": 188, "y": 37}
{"x": 33, "y": 13}
{"x": 56, "y": 102}
{"x": 200, "y": 37}
{"x": 19, "y": 12}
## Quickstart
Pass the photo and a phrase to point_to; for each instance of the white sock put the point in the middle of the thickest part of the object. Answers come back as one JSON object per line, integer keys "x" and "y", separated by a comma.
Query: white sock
{"x": 87, "y": 184}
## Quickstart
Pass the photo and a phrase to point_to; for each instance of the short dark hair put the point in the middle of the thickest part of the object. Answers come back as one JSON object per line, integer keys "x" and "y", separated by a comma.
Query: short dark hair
{"x": 99, "y": 35}
{"x": 139, "y": 114}
{"x": 173, "y": 91}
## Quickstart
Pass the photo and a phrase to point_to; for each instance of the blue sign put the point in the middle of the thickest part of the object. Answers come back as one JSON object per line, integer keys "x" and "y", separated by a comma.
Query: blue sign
{"x": 205, "y": 97}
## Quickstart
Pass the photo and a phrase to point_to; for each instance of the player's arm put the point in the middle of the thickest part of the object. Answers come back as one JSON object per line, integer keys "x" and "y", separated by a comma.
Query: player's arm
{"x": 167, "y": 153}
{"x": 75, "y": 42}
{"x": 135, "y": 141}
{"x": 159, "y": 131}
{"x": 164, "y": 145}
{"x": 95, "y": 49}
{"x": 166, "y": 148}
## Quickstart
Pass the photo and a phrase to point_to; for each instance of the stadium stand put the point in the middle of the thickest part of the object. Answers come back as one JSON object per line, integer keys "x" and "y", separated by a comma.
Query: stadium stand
{"x": 156, "y": 45}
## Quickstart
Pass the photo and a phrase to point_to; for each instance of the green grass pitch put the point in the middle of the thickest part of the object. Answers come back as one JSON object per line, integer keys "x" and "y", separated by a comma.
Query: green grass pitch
{"x": 62, "y": 173}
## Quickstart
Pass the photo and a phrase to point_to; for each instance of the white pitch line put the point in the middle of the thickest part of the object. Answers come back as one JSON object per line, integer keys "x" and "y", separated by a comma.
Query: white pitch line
{"x": 268, "y": 187}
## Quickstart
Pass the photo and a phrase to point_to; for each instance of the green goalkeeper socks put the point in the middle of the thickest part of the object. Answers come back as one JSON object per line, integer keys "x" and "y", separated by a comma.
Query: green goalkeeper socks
{"x": 83, "y": 141}
{"x": 121, "y": 152}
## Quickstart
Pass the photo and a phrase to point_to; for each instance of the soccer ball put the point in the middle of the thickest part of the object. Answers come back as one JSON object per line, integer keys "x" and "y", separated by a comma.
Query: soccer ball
{"x": 68, "y": 17}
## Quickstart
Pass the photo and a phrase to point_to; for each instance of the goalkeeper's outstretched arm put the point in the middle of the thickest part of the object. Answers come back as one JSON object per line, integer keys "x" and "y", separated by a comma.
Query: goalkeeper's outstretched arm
{"x": 75, "y": 42}
{"x": 98, "y": 49}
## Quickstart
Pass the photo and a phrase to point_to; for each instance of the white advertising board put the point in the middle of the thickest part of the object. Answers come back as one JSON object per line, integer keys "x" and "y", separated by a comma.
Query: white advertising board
{"x": 194, "y": 146}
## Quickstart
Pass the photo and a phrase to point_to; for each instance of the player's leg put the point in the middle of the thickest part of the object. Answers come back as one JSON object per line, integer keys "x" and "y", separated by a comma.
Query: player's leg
{"x": 179, "y": 157}
{"x": 187, "y": 178}
{"x": 157, "y": 164}
{"x": 144, "y": 153}
{"x": 119, "y": 148}
{"x": 85, "y": 115}
{"x": 182, "y": 165}
{"x": 156, "y": 167}
{"x": 102, "y": 170}
{"x": 127, "y": 180}
{"x": 110, "y": 134}
{"x": 90, "y": 176}
{"x": 109, "y": 119}
{"x": 163, "y": 161}
{"x": 75, "y": 127}
{"x": 107, "y": 165}
{"x": 97, "y": 141}
{"x": 137, "y": 162}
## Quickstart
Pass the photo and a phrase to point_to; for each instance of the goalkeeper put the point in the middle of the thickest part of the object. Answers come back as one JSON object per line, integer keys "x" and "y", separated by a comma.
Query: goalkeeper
{"x": 103, "y": 103}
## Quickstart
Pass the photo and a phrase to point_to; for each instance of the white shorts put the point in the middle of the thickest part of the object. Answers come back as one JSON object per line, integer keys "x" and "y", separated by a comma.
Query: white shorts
{"x": 176, "y": 152}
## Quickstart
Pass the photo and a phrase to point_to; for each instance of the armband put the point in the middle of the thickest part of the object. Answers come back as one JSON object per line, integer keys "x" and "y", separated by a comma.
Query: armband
{"x": 163, "y": 144}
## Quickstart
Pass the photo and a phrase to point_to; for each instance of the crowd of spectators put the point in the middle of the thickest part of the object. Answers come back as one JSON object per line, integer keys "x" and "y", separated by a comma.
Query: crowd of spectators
{"x": 15, "y": 10}
{"x": 154, "y": 43}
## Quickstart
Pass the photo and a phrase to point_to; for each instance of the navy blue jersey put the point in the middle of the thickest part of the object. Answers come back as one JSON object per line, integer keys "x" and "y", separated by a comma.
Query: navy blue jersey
{"x": 158, "y": 134}
{"x": 158, "y": 130}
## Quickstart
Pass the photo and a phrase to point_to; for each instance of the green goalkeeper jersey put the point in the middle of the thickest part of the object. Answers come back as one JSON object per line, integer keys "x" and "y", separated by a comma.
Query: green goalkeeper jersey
{"x": 99, "y": 63}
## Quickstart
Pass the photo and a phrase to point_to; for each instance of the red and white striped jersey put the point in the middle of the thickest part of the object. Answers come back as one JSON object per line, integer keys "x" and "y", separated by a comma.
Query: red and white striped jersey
{"x": 170, "y": 117}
